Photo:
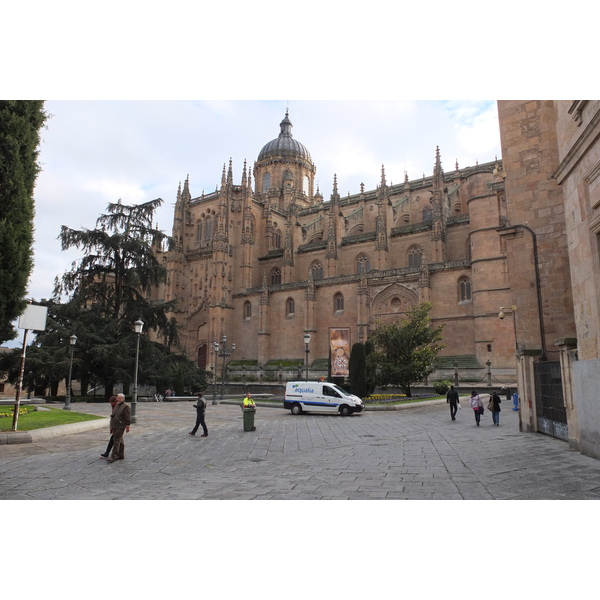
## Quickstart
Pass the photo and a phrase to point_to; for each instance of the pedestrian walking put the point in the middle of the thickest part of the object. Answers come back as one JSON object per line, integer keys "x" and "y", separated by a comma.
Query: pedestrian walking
{"x": 453, "y": 400}
{"x": 476, "y": 405}
{"x": 120, "y": 420}
{"x": 496, "y": 408}
{"x": 200, "y": 407}
{"x": 113, "y": 401}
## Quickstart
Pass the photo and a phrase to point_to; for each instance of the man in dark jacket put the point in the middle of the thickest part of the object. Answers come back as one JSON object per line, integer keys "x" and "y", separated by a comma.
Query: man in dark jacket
{"x": 120, "y": 420}
{"x": 200, "y": 407}
{"x": 452, "y": 399}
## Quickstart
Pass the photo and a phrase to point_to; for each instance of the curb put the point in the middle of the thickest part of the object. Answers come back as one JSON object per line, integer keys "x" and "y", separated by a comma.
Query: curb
{"x": 368, "y": 407}
{"x": 404, "y": 406}
{"x": 27, "y": 437}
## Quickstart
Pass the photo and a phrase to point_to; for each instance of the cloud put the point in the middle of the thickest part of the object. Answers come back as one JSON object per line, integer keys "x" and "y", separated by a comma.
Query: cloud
{"x": 95, "y": 152}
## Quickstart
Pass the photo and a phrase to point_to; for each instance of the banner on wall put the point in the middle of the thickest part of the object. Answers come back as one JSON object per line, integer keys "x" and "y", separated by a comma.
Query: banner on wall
{"x": 339, "y": 351}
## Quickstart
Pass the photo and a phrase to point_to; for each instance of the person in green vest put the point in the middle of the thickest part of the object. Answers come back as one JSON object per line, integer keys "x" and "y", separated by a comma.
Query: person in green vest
{"x": 248, "y": 402}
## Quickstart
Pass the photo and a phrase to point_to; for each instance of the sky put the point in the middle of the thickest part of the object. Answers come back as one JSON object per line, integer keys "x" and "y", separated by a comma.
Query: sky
{"x": 93, "y": 153}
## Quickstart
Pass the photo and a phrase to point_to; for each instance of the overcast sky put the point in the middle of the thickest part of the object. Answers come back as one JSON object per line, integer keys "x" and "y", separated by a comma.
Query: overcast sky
{"x": 96, "y": 152}
{"x": 105, "y": 140}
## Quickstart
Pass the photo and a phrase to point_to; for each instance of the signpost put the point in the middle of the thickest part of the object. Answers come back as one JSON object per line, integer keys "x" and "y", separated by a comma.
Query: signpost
{"x": 33, "y": 318}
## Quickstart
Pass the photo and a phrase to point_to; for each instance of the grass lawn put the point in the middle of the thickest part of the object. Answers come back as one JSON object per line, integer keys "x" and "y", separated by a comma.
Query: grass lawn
{"x": 34, "y": 419}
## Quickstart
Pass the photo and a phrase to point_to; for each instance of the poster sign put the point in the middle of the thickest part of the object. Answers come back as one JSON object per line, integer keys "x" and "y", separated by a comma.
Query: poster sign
{"x": 339, "y": 351}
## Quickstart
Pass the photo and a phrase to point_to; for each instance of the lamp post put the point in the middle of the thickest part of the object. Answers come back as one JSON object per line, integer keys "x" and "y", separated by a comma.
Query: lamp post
{"x": 72, "y": 342}
{"x": 306, "y": 350}
{"x": 138, "y": 325}
{"x": 224, "y": 351}
{"x": 216, "y": 351}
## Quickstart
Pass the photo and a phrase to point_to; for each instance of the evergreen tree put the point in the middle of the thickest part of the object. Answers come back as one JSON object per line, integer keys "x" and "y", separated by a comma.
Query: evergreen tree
{"x": 20, "y": 123}
{"x": 358, "y": 370}
{"x": 111, "y": 288}
{"x": 405, "y": 351}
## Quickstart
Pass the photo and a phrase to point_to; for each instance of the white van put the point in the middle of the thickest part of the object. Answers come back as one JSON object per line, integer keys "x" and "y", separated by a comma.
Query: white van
{"x": 319, "y": 396}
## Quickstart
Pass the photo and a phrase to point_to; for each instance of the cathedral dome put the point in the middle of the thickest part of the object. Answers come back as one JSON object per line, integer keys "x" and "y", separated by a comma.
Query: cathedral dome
{"x": 285, "y": 144}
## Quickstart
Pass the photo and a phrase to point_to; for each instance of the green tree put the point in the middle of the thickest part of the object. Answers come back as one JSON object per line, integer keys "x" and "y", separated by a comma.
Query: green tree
{"x": 20, "y": 123}
{"x": 405, "y": 351}
{"x": 110, "y": 289}
{"x": 358, "y": 370}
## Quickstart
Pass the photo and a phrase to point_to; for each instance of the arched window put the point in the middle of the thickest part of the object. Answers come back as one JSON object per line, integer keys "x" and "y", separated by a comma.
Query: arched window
{"x": 464, "y": 289}
{"x": 427, "y": 215}
{"x": 414, "y": 256}
{"x": 363, "y": 264}
{"x": 290, "y": 307}
{"x": 317, "y": 270}
{"x": 338, "y": 302}
{"x": 208, "y": 230}
{"x": 247, "y": 310}
{"x": 266, "y": 182}
{"x": 305, "y": 185}
{"x": 275, "y": 276}
{"x": 277, "y": 239}
{"x": 199, "y": 232}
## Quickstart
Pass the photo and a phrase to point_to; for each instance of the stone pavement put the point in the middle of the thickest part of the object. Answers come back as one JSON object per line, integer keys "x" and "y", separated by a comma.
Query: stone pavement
{"x": 417, "y": 454}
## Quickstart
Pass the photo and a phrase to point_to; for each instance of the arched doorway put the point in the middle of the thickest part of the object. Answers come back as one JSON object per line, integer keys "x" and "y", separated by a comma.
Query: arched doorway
{"x": 202, "y": 356}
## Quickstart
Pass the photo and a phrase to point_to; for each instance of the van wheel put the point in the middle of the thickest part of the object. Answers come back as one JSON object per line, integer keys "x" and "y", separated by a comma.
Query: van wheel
{"x": 344, "y": 410}
{"x": 296, "y": 409}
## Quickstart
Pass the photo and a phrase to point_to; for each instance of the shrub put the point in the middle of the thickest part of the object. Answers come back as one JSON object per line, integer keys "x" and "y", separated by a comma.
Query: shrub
{"x": 442, "y": 386}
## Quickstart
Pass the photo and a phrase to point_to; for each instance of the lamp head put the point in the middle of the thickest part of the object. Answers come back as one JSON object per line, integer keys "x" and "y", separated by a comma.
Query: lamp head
{"x": 307, "y": 338}
{"x": 138, "y": 325}
{"x": 73, "y": 340}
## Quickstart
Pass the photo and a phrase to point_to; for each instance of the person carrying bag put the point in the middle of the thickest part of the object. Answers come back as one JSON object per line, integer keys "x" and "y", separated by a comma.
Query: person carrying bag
{"x": 476, "y": 405}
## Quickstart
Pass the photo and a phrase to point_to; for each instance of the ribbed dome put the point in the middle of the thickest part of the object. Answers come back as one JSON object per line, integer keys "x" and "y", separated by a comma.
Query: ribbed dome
{"x": 285, "y": 144}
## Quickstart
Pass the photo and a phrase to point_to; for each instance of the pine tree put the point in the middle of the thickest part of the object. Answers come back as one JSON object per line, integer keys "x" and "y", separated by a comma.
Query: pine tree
{"x": 20, "y": 123}
{"x": 358, "y": 370}
{"x": 110, "y": 287}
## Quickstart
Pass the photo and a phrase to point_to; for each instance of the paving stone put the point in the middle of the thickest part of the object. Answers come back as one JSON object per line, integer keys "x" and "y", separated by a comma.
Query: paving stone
{"x": 414, "y": 454}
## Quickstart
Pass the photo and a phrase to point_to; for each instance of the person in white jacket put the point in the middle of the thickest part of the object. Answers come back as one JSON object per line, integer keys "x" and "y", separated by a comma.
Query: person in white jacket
{"x": 476, "y": 405}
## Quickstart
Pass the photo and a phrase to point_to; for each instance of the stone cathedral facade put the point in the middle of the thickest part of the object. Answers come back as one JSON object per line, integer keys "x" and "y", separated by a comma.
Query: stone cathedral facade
{"x": 266, "y": 259}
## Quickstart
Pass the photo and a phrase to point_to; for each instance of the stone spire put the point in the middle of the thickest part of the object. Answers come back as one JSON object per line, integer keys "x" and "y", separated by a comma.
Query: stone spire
{"x": 381, "y": 241}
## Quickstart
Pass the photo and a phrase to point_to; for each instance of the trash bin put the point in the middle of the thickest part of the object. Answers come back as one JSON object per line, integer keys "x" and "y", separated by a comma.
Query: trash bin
{"x": 249, "y": 418}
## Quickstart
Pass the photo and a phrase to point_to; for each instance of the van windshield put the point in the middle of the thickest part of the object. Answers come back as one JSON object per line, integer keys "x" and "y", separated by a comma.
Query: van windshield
{"x": 338, "y": 389}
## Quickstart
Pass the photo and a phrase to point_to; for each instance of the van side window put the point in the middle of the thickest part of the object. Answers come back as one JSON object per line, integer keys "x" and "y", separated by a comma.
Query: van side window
{"x": 327, "y": 391}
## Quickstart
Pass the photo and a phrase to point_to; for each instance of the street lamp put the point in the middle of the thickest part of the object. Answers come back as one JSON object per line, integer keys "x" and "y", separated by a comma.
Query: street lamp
{"x": 216, "y": 351}
{"x": 72, "y": 342}
{"x": 306, "y": 350}
{"x": 138, "y": 325}
{"x": 224, "y": 351}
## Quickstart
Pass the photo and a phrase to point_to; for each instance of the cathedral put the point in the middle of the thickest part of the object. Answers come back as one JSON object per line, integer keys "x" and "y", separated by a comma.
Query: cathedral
{"x": 281, "y": 271}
